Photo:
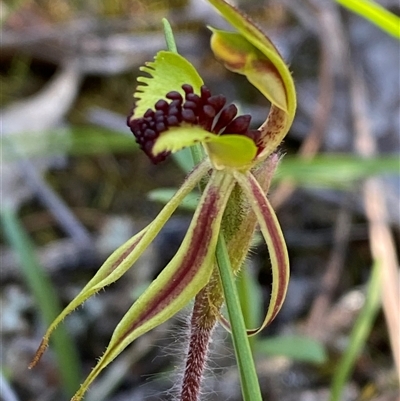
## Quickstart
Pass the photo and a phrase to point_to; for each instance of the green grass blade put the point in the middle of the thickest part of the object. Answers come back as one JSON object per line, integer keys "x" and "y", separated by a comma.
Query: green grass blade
{"x": 248, "y": 375}
{"x": 250, "y": 301}
{"x": 359, "y": 334}
{"x": 334, "y": 171}
{"x": 384, "y": 19}
{"x": 164, "y": 195}
{"x": 295, "y": 347}
{"x": 76, "y": 140}
{"x": 45, "y": 296}
{"x": 184, "y": 159}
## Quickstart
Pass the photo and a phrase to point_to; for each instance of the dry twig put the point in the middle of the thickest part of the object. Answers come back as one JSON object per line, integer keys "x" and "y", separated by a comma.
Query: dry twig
{"x": 381, "y": 239}
{"x": 328, "y": 28}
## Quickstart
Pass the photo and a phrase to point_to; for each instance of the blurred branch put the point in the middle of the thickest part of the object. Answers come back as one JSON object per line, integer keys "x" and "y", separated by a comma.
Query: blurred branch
{"x": 72, "y": 226}
{"x": 67, "y": 254}
{"x": 328, "y": 28}
{"x": 381, "y": 239}
{"x": 117, "y": 372}
{"x": 102, "y": 47}
{"x": 107, "y": 119}
{"x": 332, "y": 275}
{"x": 7, "y": 392}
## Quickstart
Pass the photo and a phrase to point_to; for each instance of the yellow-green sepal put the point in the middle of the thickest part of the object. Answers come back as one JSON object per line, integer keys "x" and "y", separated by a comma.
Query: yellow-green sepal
{"x": 275, "y": 241}
{"x": 168, "y": 72}
{"x": 126, "y": 255}
{"x": 239, "y": 55}
{"x": 186, "y": 274}
{"x": 260, "y": 41}
{"x": 231, "y": 151}
{"x": 251, "y": 53}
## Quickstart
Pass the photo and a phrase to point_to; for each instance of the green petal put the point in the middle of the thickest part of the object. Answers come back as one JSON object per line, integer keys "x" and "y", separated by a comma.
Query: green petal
{"x": 273, "y": 236}
{"x": 126, "y": 255}
{"x": 232, "y": 151}
{"x": 168, "y": 72}
{"x": 186, "y": 274}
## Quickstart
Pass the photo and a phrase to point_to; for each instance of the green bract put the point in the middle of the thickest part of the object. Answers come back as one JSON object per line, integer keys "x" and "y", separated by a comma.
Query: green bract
{"x": 238, "y": 168}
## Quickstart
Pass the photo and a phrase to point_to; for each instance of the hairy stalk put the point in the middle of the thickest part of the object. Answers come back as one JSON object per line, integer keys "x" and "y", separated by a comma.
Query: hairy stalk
{"x": 204, "y": 318}
{"x": 238, "y": 226}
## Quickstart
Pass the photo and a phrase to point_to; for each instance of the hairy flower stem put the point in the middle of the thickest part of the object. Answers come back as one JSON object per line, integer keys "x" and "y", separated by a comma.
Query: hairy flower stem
{"x": 238, "y": 226}
{"x": 204, "y": 318}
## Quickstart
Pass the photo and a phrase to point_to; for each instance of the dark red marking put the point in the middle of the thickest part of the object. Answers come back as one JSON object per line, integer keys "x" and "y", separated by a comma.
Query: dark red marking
{"x": 205, "y": 111}
{"x": 202, "y": 234}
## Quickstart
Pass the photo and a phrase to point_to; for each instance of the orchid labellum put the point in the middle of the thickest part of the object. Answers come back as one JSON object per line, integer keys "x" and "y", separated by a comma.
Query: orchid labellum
{"x": 174, "y": 110}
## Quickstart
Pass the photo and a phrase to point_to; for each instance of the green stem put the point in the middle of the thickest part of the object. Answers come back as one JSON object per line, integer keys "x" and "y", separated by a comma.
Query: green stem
{"x": 169, "y": 36}
{"x": 196, "y": 151}
{"x": 248, "y": 375}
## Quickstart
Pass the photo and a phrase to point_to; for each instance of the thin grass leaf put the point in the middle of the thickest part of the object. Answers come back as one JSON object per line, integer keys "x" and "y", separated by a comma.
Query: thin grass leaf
{"x": 374, "y": 12}
{"x": 334, "y": 171}
{"x": 184, "y": 158}
{"x": 76, "y": 140}
{"x": 250, "y": 297}
{"x": 295, "y": 347}
{"x": 87, "y": 140}
{"x": 46, "y": 298}
{"x": 164, "y": 195}
{"x": 359, "y": 334}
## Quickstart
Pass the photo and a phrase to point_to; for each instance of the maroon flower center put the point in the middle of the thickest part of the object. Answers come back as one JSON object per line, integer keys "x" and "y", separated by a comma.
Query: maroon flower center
{"x": 206, "y": 111}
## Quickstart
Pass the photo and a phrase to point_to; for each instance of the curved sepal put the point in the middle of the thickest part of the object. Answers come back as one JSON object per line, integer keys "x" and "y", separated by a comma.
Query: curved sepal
{"x": 125, "y": 256}
{"x": 273, "y": 236}
{"x": 239, "y": 55}
{"x": 186, "y": 274}
{"x": 168, "y": 72}
{"x": 252, "y": 54}
{"x": 240, "y": 222}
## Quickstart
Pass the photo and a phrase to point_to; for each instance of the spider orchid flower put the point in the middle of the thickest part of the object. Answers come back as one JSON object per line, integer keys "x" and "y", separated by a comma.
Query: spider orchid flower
{"x": 174, "y": 110}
